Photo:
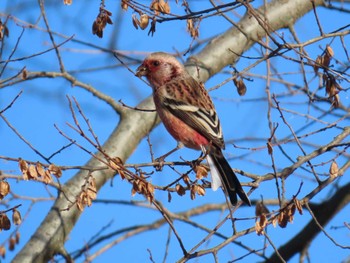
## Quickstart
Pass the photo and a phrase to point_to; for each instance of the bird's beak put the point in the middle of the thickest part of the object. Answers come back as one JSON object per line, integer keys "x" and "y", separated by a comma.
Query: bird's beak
{"x": 141, "y": 71}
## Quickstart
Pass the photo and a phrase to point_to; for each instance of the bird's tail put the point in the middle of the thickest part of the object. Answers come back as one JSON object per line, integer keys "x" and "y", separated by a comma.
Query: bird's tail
{"x": 219, "y": 167}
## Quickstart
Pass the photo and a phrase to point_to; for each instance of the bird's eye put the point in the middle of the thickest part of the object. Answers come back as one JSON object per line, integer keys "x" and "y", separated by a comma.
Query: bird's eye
{"x": 156, "y": 63}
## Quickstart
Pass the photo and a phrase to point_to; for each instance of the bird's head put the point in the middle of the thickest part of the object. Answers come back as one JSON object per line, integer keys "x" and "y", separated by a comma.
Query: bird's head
{"x": 159, "y": 68}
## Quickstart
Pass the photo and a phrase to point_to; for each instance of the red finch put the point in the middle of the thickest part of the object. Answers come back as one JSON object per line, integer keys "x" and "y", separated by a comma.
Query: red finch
{"x": 189, "y": 115}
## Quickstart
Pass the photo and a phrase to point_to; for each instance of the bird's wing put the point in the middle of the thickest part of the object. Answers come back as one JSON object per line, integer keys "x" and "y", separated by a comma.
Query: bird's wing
{"x": 197, "y": 112}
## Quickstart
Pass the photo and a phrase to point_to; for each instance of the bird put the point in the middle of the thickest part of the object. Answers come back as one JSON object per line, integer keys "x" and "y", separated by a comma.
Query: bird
{"x": 188, "y": 113}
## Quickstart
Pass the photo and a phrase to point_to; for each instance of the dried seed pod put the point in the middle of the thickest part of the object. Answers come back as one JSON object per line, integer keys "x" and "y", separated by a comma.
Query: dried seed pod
{"x": 2, "y": 251}
{"x": 164, "y": 7}
{"x": 169, "y": 197}
{"x": 269, "y": 148}
{"x": 47, "y": 178}
{"x": 23, "y": 166}
{"x": 333, "y": 170}
{"x": 329, "y": 51}
{"x": 299, "y": 206}
{"x": 200, "y": 190}
{"x": 282, "y": 219}
{"x": 4, "y": 189}
{"x": 18, "y": 237}
{"x": 144, "y": 21}
{"x": 260, "y": 225}
{"x": 336, "y": 101}
{"x": 102, "y": 19}
{"x": 241, "y": 87}
{"x": 32, "y": 173}
{"x": 92, "y": 190}
{"x": 193, "y": 191}
{"x": 192, "y": 28}
{"x": 155, "y": 7}
{"x": 12, "y": 244}
{"x": 135, "y": 21}
{"x": 16, "y": 217}
{"x": 180, "y": 190}
{"x": 55, "y": 170}
{"x": 5, "y": 222}
{"x": 40, "y": 170}
{"x": 3, "y": 30}
{"x": 261, "y": 209}
{"x": 150, "y": 188}
{"x": 186, "y": 179}
{"x": 124, "y": 4}
{"x": 319, "y": 61}
{"x": 24, "y": 74}
{"x": 201, "y": 171}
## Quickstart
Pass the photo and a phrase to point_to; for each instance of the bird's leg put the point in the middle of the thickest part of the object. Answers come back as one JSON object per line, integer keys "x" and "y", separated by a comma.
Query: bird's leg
{"x": 160, "y": 160}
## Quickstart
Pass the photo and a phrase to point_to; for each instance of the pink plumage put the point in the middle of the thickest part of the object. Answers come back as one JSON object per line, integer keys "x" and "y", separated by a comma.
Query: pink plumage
{"x": 189, "y": 115}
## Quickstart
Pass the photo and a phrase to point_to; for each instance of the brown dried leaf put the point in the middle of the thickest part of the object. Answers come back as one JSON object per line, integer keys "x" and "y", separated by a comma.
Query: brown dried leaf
{"x": 169, "y": 197}
{"x": 180, "y": 190}
{"x": 2, "y": 251}
{"x": 329, "y": 51}
{"x": 3, "y": 30}
{"x": 12, "y": 244}
{"x": 282, "y": 219}
{"x": 193, "y": 191}
{"x": 335, "y": 101}
{"x": 263, "y": 221}
{"x": 4, "y": 189}
{"x": 55, "y": 170}
{"x": 150, "y": 188}
{"x": 135, "y": 21}
{"x": 92, "y": 191}
{"x": 164, "y": 7}
{"x": 201, "y": 171}
{"x": 67, "y": 2}
{"x": 24, "y": 74}
{"x": 241, "y": 87}
{"x": 200, "y": 190}
{"x": 319, "y": 61}
{"x": 47, "y": 178}
{"x": 298, "y": 206}
{"x": 274, "y": 221}
{"x": 186, "y": 179}
{"x": 32, "y": 173}
{"x": 40, "y": 170}
{"x": 124, "y": 4}
{"x": 258, "y": 229}
{"x": 192, "y": 28}
{"x": 23, "y": 166}
{"x": 261, "y": 209}
{"x": 155, "y": 7}
{"x": 102, "y": 19}
{"x": 290, "y": 212}
{"x": 18, "y": 237}
{"x": 5, "y": 222}
{"x": 16, "y": 217}
{"x": 333, "y": 170}
{"x": 144, "y": 21}
{"x": 269, "y": 148}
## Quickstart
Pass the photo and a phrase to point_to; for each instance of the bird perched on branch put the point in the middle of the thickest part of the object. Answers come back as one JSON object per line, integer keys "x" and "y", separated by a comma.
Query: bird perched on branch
{"x": 189, "y": 115}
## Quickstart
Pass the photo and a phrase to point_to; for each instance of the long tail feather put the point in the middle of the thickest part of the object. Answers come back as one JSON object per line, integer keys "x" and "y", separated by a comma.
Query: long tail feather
{"x": 229, "y": 179}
